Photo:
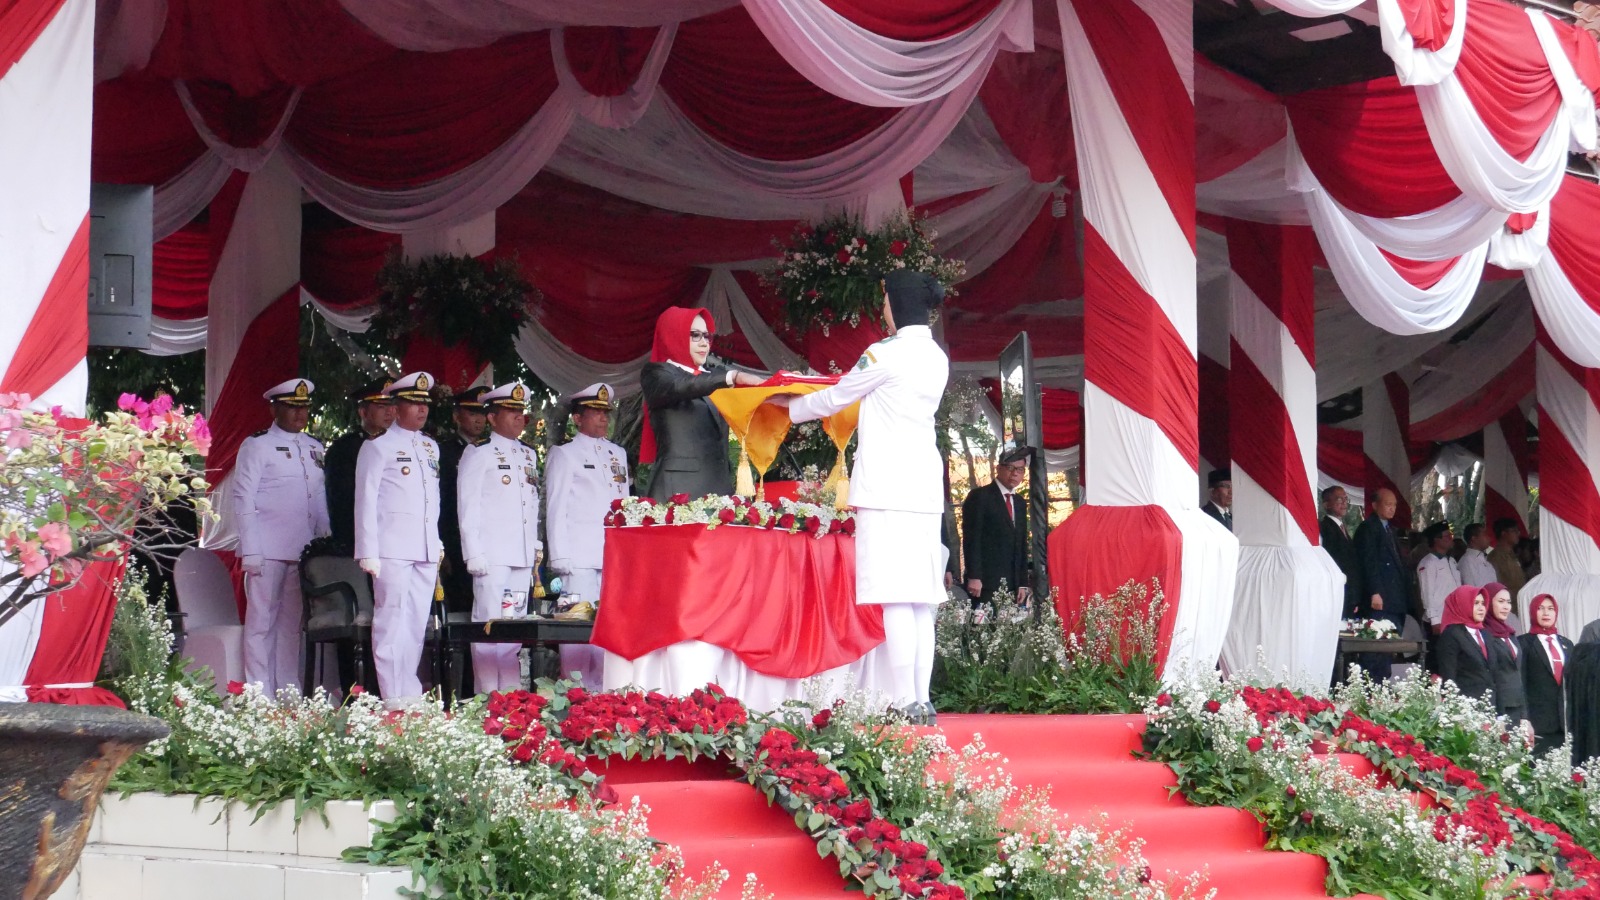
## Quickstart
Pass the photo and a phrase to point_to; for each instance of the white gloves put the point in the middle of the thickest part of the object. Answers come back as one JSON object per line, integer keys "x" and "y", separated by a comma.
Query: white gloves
{"x": 251, "y": 564}
{"x": 371, "y": 566}
{"x": 477, "y": 566}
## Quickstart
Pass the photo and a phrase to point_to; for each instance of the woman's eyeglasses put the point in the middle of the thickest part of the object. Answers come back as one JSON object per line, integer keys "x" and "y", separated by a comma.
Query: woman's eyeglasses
{"x": 700, "y": 336}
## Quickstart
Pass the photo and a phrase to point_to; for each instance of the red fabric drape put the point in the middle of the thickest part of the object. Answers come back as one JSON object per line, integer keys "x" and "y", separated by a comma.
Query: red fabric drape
{"x": 1369, "y": 147}
{"x": 456, "y": 365}
{"x": 1573, "y": 212}
{"x": 730, "y": 81}
{"x": 1340, "y": 455}
{"x": 72, "y": 639}
{"x": 1214, "y": 415}
{"x": 184, "y": 264}
{"x": 269, "y": 354}
{"x": 835, "y": 352}
{"x": 1135, "y": 353}
{"x": 1042, "y": 266}
{"x": 1504, "y": 73}
{"x": 1101, "y": 548}
{"x": 983, "y": 338}
{"x": 339, "y": 262}
{"x": 1142, "y": 76}
{"x": 1514, "y": 426}
{"x": 1025, "y": 96}
{"x": 1267, "y": 449}
{"x": 605, "y": 308}
{"x": 783, "y": 603}
{"x": 1235, "y": 120}
{"x": 1499, "y": 395}
{"x": 914, "y": 20}
{"x": 1565, "y": 486}
{"x": 1429, "y": 21}
{"x": 606, "y": 61}
{"x": 57, "y": 338}
{"x": 1063, "y": 414}
{"x": 421, "y": 116}
{"x": 20, "y": 24}
{"x": 141, "y": 133}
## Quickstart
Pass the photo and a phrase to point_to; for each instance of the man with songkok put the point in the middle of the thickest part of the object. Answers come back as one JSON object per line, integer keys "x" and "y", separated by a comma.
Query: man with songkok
{"x": 279, "y": 506}
{"x": 581, "y": 479}
{"x": 498, "y": 500}
{"x": 1437, "y": 573}
{"x": 1507, "y": 568}
{"x": 468, "y": 416}
{"x": 1220, "y": 504}
{"x": 397, "y": 537}
{"x": 374, "y": 415}
{"x": 1476, "y": 569}
{"x": 897, "y": 481}
{"x": 994, "y": 540}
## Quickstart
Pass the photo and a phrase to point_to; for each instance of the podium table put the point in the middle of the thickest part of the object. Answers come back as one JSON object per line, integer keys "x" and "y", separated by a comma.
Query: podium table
{"x": 753, "y": 610}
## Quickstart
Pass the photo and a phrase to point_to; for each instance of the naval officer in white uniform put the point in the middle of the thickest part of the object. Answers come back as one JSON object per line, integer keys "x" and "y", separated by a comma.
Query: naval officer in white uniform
{"x": 497, "y": 503}
{"x": 279, "y": 505}
{"x": 582, "y": 477}
{"x": 897, "y": 482}
{"x": 397, "y": 537}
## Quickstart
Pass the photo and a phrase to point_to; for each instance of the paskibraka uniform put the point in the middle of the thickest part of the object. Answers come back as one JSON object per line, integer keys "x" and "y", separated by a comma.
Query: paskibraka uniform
{"x": 279, "y": 506}
{"x": 397, "y": 523}
{"x": 497, "y": 502}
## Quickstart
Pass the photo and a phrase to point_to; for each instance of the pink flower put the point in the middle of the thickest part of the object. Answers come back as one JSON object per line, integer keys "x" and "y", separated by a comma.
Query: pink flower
{"x": 201, "y": 435}
{"x": 56, "y": 539}
{"x": 15, "y": 401}
{"x": 161, "y": 404}
{"x": 19, "y": 438}
{"x": 125, "y": 402}
{"x": 33, "y": 562}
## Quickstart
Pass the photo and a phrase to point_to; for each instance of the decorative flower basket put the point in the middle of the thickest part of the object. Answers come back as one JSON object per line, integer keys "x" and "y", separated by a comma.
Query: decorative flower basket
{"x": 451, "y": 315}
{"x": 1369, "y": 630}
{"x": 830, "y": 279}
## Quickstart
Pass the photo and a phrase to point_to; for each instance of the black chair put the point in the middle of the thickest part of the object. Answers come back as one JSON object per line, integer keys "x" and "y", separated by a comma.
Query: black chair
{"x": 338, "y": 610}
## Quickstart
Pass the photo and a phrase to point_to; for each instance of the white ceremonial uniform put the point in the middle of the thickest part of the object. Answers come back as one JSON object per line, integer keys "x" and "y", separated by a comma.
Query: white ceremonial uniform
{"x": 497, "y": 504}
{"x": 1476, "y": 569}
{"x": 897, "y": 482}
{"x": 397, "y": 522}
{"x": 280, "y": 505}
{"x": 581, "y": 479}
{"x": 1437, "y": 576}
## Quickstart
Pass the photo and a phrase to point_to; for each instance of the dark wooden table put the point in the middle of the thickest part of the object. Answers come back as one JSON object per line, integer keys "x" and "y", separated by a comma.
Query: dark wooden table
{"x": 1352, "y": 646}
{"x": 528, "y": 631}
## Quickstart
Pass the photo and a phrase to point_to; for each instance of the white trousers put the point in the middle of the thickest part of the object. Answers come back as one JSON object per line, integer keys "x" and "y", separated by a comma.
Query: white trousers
{"x": 272, "y": 626}
{"x": 496, "y": 667}
{"x": 402, "y": 597}
{"x": 585, "y": 659}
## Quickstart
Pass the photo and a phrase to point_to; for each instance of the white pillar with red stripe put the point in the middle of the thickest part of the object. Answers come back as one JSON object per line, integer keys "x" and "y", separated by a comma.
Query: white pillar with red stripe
{"x": 1569, "y": 502}
{"x": 1289, "y": 595}
{"x": 1130, "y": 76}
{"x": 1385, "y": 430}
{"x": 1505, "y": 469}
{"x": 46, "y": 94}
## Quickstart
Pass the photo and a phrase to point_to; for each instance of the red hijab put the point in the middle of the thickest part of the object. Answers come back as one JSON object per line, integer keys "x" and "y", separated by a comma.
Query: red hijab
{"x": 1498, "y": 627}
{"x": 1533, "y": 614}
{"x": 671, "y": 345}
{"x": 1458, "y": 607}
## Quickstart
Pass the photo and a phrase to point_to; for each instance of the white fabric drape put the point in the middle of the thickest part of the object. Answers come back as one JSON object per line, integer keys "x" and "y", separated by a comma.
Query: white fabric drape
{"x": 245, "y": 159}
{"x": 687, "y": 665}
{"x": 434, "y": 25}
{"x": 171, "y": 337}
{"x": 1383, "y": 434}
{"x": 1500, "y": 471}
{"x": 1285, "y": 627}
{"x": 1572, "y": 323}
{"x": 1414, "y": 66}
{"x": 1476, "y": 161}
{"x": 188, "y": 193}
{"x": 849, "y": 61}
{"x": 565, "y": 371}
{"x": 774, "y": 353}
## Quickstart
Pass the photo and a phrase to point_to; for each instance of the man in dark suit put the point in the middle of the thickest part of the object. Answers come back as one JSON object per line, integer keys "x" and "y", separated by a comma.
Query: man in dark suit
{"x": 375, "y": 413}
{"x": 470, "y": 416}
{"x": 1220, "y": 506}
{"x": 994, "y": 541}
{"x": 1335, "y": 540}
{"x": 1383, "y": 575}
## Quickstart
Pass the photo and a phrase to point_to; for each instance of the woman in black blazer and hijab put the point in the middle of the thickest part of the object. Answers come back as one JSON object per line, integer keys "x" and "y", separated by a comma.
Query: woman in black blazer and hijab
{"x": 1505, "y": 656}
{"x": 1464, "y": 652}
{"x": 1544, "y": 658}
{"x": 684, "y": 435}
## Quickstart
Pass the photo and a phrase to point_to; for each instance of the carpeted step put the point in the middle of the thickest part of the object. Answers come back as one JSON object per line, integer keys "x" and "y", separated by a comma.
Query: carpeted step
{"x": 1057, "y": 737}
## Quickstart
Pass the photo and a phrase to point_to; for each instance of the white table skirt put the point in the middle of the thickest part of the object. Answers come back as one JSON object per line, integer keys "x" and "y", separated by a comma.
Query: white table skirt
{"x": 680, "y": 668}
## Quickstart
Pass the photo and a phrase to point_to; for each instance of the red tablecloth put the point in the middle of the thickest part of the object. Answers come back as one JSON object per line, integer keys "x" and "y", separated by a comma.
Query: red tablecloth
{"x": 784, "y": 603}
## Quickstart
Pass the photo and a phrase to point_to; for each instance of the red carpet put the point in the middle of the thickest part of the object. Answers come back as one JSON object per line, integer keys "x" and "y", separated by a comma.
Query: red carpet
{"x": 1085, "y": 761}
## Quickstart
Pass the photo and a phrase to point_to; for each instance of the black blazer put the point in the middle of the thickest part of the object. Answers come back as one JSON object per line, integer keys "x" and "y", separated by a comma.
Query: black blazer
{"x": 339, "y": 483}
{"x": 1382, "y": 571}
{"x": 691, "y": 436}
{"x": 992, "y": 545}
{"x": 1214, "y": 512}
{"x": 1461, "y": 661}
{"x": 1546, "y": 702}
{"x": 1509, "y": 696}
{"x": 1343, "y": 550}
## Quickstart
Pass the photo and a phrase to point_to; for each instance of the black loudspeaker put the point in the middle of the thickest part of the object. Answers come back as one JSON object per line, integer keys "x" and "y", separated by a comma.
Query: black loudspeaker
{"x": 121, "y": 264}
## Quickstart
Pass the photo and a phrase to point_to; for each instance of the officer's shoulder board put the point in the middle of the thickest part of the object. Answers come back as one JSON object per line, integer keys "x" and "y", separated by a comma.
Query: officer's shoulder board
{"x": 481, "y": 441}
{"x": 533, "y": 447}
{"x": 373, "y": 437}
{"x": 261, "y": 433}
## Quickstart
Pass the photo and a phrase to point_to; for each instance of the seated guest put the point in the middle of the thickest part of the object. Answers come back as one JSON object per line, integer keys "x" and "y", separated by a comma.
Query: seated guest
{"x": 1476, "y": 569}
{"x": 1464, "y": 655}
{"x": 684, "y": 434}
{"x": 1544, "y": 657}
{"x": 1506, "y": 660}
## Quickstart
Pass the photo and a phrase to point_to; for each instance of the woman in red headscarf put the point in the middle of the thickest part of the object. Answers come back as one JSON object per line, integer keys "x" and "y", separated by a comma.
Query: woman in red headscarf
{"x": 1544, "y": 658}
{"x": 684, "y": 436}
{"x": 1506, "y": 660}
{"x": 1464, "y": 651}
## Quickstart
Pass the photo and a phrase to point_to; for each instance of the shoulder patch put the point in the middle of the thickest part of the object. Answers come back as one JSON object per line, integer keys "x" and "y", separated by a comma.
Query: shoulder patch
{"x": 866, "y": 359}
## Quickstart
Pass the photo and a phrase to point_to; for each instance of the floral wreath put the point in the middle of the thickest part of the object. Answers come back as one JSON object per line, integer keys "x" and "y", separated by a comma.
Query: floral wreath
{"x": 457, "y": 300}
{"x": 831, "y": 273}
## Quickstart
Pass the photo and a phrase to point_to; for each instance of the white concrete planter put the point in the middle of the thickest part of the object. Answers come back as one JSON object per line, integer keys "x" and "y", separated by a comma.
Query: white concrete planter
{"x": 151, "y": 846}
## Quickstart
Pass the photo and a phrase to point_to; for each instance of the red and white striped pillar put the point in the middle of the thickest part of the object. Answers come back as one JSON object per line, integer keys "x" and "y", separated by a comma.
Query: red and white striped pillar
{"x": 46, "y": 94}
{"x": 1385, "y": 431}
{"x": 1130, "y": 79}
{"x": 1506, "y": 466}
{"x": 1569, "y": 467}
{"x": 1289, "y": 593}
